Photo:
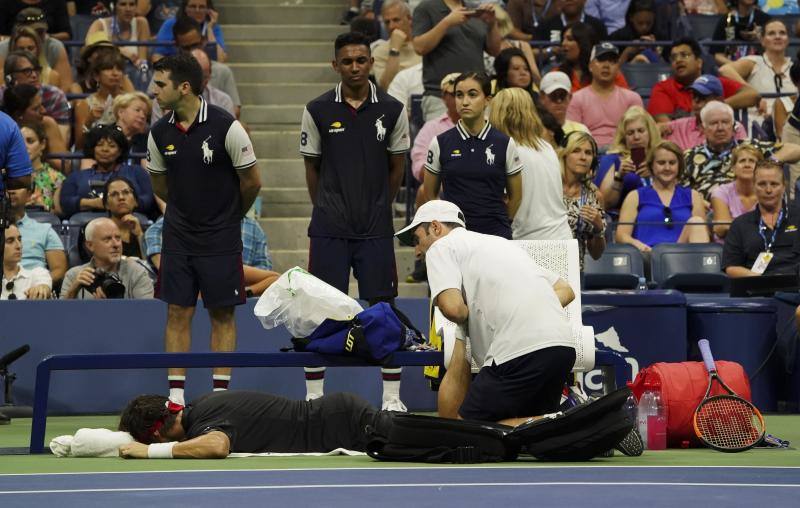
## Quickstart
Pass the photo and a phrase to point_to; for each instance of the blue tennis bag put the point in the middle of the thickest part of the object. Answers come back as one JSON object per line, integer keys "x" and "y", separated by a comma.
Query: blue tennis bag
{"x": 373, "y": 334}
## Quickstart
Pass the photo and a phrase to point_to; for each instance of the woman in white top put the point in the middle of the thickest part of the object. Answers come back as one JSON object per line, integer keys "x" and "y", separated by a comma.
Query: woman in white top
{"x": 542, "y": 214}
{"x": 125, "y": 25}
{"x": 767, "y": 73}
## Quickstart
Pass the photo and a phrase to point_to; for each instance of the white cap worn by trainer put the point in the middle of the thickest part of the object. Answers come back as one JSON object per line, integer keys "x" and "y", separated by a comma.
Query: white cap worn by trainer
{"x": 434, "y": 210}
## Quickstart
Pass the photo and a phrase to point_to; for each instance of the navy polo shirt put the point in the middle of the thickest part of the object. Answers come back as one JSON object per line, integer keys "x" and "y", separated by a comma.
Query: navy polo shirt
{"x": 14, "y": 160}
{"x": 744, "y": 243}
{"x": 355, "y": 147}
{"x": 473, "y": 171}
{"x": 202, "y": 164}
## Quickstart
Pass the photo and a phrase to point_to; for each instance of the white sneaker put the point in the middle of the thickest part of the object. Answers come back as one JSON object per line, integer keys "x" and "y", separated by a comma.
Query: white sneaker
{"x": 312, "y": 396}
{"x": 394, "y": 404}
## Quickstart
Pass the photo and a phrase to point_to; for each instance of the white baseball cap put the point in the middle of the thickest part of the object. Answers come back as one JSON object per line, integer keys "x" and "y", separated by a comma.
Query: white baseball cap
{"x": 555, "y": 80}
{"x": 434, "y": 210}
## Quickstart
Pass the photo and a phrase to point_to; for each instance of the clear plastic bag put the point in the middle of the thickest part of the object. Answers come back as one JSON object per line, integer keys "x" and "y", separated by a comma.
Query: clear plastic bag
{"x": 301, "y": 302}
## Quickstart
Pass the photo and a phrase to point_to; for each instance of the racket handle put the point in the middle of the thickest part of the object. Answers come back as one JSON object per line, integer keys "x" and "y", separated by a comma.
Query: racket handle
{"x": 705, "y": 350}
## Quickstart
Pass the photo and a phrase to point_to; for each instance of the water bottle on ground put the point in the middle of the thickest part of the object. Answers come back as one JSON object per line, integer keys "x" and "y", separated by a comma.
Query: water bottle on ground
{"x": 631, "y": 408}
{"x": 645, "y": 409}
{"x": 642, "y": 284}
{"x": 657, "y": 421}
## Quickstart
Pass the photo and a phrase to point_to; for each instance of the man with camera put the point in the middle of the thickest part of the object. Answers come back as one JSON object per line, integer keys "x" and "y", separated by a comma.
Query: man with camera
{"x": 107, "y": 274}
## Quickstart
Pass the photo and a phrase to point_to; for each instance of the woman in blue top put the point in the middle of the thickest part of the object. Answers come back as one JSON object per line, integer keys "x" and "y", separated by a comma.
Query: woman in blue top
{"x": 82, "y": 190}
{"x": 475, "y": 165}
{"x": 201, "y": 11}
{"x": 617, "y": 173}
{"x": 664, "y": 212}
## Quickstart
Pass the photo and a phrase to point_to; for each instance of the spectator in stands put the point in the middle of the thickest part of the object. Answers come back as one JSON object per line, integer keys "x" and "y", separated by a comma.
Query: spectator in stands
{"x": 745, "y": 22}
{"x": 202, "y": 12}
{"x": 513, "y": 68}
{"x": 21, "y": 68}
{"x": 572, "y": 11}
{"x": 82, "y": 13}
{"x": 575, "y": 50}
{"x": 475, "y": 165}
{"x": 51, "y": 12}
{"x": 640, "y": 25}
{"x": 542, "y": 214}
{"x": 23, "y": 103}
{"x": 672, "y": 97}
{"x": 704, "y": 6}
{"x": 451, "y": 38}
{"x": 120, "y": 200}
{"x": 687, "y": 132}
{"x": 53, "y": 49}
{"x": 611, "y": 12}
{"x": 211, "y": 94}
{"x": 527, "y": 15}
{"x": 158, "y": 11}
{"x": 46, "y": 180}
{"x": 432, "y": 128}
{"x": 709, "y": 164}
{"x": 132, "y": 111}
{"x": 256, "y": 260}
{"x": 584, "y": 204}
{"x": 20, "y": 283}
{"x": 733, "y": 199}
{"x": 41, "y": 245}
{"x": 97, "y": 109}
{"x": 767, "y": 73}
{"x": 617, "y": 173}
{"x": 664, "y": 212}
{"x": 601, "y": 105}
{"x": 107, "y": 146}
{"x": 188, "y": 36}
{"x": 125, "y": 26}
{"x": 787, "y": 126}
{"x": 397, "y": 53}
{"x": 765, "y": 240}
{"x": 26, "y": 39}
{"x": 100, "y": 46}
{"x": 104, "y": 241}
{"x": 406, "y": 84}
{"x": 555, "y": 96}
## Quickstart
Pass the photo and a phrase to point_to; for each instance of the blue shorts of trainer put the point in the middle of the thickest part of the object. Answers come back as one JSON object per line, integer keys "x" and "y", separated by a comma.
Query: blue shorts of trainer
{"x": 528, "y": 385}
{"x": 372, "y": 261}
{"x": 219, "y": 279}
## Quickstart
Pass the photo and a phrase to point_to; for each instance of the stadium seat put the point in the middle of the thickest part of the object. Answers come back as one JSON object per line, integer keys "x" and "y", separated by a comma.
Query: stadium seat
{"x": 46, "y": 218}
{"x": 619, "y": 267}
{"x": 703, "y": 25}
{"x": 642, "y": 77}
{"x": 689, "y": 267}
{"x": 417, "y": 120}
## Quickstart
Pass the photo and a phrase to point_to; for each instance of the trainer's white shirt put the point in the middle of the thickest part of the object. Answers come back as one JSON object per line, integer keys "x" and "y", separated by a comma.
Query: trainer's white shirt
{"x": 513, "y": 309}
{"x": 542, "y": 214}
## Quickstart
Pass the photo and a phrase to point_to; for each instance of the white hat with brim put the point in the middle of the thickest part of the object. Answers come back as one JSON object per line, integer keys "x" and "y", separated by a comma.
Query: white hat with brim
{"x": 434, "y": 210}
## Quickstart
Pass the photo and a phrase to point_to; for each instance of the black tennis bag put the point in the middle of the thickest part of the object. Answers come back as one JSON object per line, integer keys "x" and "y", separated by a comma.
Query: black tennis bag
{"x": 578, "y": 434}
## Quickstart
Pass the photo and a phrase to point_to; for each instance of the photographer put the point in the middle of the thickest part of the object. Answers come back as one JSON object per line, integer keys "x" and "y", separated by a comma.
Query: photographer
{"x": 107, "y": 274}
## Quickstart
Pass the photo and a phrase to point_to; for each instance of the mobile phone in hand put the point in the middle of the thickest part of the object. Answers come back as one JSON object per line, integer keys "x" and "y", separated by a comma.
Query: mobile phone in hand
{"x": 638, "y": 155}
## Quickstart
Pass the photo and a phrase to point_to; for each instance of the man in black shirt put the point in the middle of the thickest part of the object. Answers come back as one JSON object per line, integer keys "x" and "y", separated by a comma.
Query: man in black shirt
{"x": 571, "y": 12}
{"x": 202, "y": 163}
{"x": 766, "y": 240}
{"x": 226, "y": 422}
{"x": 353, "y": 140}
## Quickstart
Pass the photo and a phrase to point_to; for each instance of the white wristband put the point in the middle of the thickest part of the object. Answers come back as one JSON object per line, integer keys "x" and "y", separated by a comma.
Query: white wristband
{"x": 160, "y": 450}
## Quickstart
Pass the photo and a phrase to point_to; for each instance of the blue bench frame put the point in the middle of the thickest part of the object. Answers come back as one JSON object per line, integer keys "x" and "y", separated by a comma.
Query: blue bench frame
{"x": 102, "y": 361}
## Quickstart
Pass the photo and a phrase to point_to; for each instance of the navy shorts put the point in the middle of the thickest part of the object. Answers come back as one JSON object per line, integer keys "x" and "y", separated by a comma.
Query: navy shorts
{"x": 372, "y": 261}
{"x": 218, "y": 279}
{"x": 529, "y": 385}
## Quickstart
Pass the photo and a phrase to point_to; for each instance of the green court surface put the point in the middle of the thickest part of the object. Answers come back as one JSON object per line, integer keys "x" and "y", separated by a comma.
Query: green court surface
{"x": 17, "y": 435}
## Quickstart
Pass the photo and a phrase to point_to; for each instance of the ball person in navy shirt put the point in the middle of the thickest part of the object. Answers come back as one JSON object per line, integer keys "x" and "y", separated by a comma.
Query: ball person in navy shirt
{"x": 15, "y": 167}
{"x": 476, "y": 165}
{"x": 201, "y": 163}
{"x": 354, "y": 139}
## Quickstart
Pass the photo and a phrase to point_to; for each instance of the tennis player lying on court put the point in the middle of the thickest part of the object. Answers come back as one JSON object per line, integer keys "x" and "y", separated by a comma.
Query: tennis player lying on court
{"x": 224, "y": 422}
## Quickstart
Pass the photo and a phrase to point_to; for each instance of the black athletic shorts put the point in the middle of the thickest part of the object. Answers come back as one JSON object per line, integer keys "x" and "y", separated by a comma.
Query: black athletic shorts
{"x": 218, "y": 279}
{"x": 529, "y": 385}
{"x": 372, "y": 260}
{"x": 340, "y": 420}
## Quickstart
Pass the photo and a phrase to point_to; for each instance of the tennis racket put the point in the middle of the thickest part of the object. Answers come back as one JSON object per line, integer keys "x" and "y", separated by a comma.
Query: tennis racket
{"x": 727, "y": 423}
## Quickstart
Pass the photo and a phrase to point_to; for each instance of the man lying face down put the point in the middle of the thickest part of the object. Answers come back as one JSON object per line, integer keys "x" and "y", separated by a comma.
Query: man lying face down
{"x": 232, "y": 421}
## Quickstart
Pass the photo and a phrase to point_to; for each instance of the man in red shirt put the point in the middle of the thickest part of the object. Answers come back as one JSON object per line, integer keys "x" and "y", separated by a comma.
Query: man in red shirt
{"x": 672, "y": 97}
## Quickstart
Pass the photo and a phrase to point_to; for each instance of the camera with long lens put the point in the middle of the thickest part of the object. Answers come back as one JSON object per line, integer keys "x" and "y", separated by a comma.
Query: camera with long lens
{"x": 109, "y": 282}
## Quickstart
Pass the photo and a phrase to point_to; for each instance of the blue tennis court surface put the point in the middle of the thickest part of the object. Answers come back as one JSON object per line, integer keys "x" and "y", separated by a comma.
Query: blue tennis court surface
{"x": 762, "y": 487}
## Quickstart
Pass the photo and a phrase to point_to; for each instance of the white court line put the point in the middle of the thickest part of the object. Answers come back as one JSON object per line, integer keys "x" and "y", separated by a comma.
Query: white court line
{"x": 400, "y": 485}
{"x": 531, "y": 465}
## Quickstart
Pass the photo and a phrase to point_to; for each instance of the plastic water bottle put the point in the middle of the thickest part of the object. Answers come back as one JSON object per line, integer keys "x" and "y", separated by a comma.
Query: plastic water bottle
{"x": 657, "y": 421}
{"x": 642, "y": 284}
{"x": 631, "y": 408}
{"x": 644, "y": 410}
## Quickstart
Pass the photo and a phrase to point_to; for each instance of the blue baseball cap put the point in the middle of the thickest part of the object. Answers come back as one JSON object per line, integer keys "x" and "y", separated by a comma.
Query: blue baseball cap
{"x": 707, "y": 85}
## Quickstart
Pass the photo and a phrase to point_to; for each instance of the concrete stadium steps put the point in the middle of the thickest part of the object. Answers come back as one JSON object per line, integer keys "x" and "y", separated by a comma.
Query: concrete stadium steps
{"x": 292, "y": 232}
{"x": 272, "y": 116}
{"x": 281, "y": 93}
{"x": 277, "y": 144}
{"x": 322, "y": 33}
{"x": 308, "y": 14}
{"x": 280, "y": 173}
{"x": 283, "y": 51}
{"x": 284, "y": 72}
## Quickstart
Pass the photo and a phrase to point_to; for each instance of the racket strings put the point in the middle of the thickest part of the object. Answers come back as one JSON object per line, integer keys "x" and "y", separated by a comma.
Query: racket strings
{"x": 729, "y": 423}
